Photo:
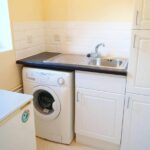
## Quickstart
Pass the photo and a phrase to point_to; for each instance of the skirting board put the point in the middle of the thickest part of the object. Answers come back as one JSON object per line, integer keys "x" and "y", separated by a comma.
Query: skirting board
{"x": 101, "y": 145}
{"x": 18, "y": 89}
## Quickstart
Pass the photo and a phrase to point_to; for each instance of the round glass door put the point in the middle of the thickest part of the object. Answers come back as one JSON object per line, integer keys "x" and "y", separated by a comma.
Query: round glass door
{"x": 43, "y": 102}
{"x": 46, "y": 103}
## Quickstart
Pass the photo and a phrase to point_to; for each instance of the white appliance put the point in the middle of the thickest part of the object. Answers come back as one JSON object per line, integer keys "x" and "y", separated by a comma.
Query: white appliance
{"x": 17, "y": 131}
{"x": 53, "y": 103}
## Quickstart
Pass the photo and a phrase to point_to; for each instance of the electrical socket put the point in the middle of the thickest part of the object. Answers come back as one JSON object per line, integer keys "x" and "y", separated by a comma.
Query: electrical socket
{"x": 57, "y": 38}
{"x": 29, "y": 39}
{"x": 68, "y": 38}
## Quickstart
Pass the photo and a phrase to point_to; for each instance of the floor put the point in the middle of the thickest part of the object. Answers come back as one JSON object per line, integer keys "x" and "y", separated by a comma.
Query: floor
{"x": 47, "y": 145}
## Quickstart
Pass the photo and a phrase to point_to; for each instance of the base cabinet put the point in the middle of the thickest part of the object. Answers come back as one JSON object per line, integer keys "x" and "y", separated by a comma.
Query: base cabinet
{"x": 99, "y": 109}
{"x": 136, "y": 128}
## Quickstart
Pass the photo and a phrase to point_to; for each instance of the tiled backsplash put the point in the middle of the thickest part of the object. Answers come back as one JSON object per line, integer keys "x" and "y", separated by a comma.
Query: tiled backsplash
{"x": 71, "y": 37}
{"x": 29, "y": 39}
{"x": 82, "y": 37}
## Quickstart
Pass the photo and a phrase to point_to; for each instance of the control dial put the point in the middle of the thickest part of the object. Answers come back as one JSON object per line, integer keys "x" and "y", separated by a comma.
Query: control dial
{"x": 61, "y": 81}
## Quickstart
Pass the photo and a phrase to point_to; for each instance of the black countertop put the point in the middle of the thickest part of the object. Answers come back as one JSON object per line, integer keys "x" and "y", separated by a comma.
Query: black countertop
{"x": 37, "y": 61}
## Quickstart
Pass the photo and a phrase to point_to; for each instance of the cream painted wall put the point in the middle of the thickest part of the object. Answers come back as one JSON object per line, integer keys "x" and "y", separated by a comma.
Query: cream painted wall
{"x": 26, "y": 10}
{"x": 9, "y": 72}
{"x": 56, "y": 10}
{"x": 20, "y": 11}
{"x": 88, "y": 10}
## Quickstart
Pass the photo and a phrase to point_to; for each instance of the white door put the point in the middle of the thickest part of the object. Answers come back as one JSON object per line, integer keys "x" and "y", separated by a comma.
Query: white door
{"x": 136, "y": 129}
{"x": 99, "y": 115}
{"x": 142, "y": 14}
{"x": 138, "y": 80}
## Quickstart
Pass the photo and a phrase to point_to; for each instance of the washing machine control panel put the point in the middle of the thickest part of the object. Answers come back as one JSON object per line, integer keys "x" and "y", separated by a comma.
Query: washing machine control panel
{"x": 42, "y": 77}
{"x": 45, "y": 78}
{"x": 61, "y": 81}
{"x": 30, "y": 76}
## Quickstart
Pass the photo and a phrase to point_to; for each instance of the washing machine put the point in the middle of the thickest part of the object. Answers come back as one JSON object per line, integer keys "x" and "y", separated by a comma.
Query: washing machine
{"x": 53, "y": 103}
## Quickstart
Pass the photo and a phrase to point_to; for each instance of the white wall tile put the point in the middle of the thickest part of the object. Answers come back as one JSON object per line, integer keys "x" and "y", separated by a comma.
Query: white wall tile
{"x": 71, "y": 37}
{"x": 29, "y": 38}
{"x": 82, "y": 37}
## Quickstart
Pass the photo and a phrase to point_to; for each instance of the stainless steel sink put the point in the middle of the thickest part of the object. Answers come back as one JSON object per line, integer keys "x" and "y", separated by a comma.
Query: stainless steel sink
{"x": 81, "y": 60}
{"x": 108, "y": 63}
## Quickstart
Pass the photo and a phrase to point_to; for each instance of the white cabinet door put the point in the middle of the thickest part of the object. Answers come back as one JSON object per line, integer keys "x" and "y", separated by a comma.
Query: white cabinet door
{"x": 142, "y": 14}
{"x": 138, "y": 80}
{"x": 136, "y": 129}
{"x": 99, "y": 115}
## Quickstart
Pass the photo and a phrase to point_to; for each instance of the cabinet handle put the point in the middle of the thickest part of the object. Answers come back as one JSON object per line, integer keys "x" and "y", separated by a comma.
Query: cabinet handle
{"x": 134, "y": 41}
{"x": 128, "y": 103}
{"x": 78, "y": 94}
{"x": 137, "y": 15}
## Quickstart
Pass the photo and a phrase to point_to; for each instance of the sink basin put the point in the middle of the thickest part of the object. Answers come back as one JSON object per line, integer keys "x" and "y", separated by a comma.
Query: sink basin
{"x": 81, "y": 60}
{"x": 108, "y": 63}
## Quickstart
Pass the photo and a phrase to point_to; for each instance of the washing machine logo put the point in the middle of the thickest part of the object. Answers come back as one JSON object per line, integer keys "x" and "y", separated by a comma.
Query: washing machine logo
{"x": 25, "y": 116}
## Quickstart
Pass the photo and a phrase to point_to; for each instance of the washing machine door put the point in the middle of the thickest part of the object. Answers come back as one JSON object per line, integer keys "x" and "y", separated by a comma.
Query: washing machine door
{"x": 46, "y": 103}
